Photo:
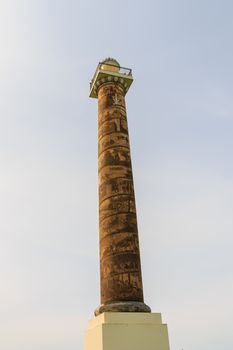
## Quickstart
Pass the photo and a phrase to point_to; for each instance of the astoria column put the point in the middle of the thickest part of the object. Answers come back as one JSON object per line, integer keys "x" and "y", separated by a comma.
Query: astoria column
{"x": 120, "y": 267}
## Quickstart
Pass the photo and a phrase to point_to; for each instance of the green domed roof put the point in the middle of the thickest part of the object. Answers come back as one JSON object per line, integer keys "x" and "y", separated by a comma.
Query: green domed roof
{"x": 111, "y": 61}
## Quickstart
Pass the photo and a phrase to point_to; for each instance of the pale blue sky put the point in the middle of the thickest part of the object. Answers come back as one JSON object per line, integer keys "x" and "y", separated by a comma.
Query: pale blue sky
{"x": 180, "y": 113}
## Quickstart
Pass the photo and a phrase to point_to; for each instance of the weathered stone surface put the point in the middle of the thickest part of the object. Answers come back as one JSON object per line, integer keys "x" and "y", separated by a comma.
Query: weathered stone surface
{"x": 120, "y": 269}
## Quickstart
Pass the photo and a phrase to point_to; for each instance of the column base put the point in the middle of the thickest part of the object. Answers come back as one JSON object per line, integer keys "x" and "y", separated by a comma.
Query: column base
{"x": 126, "y": 331}
{"x": 126, "y": 306}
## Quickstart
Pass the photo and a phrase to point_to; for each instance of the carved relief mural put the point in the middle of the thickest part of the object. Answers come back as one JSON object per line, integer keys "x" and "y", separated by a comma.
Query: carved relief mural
{"x": 119, "y": 249}
{"x": 113, "y": 140}
{"x": 116, "y": 186}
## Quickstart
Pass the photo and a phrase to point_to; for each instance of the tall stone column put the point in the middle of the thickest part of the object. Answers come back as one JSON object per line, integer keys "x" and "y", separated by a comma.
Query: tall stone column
{"x": 123, "y": 320}
{"x": 120, "y": 268}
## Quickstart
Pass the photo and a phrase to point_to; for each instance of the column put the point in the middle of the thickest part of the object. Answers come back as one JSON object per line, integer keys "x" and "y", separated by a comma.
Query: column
{"x": 120, "y": 268}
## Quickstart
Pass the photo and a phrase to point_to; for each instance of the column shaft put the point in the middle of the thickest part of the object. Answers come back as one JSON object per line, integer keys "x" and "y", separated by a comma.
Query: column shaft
{"x": 120, "y": 268}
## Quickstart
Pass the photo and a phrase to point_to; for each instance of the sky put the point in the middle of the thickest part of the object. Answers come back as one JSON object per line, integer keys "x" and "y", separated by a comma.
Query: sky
{"x": 180, "y": 115}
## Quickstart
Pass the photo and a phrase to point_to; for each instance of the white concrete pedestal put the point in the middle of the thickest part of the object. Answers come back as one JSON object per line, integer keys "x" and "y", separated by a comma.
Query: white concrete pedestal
{"x": 126, "y": 331}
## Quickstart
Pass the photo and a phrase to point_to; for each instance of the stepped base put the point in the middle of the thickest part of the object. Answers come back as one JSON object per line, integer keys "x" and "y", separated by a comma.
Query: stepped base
{"x": 126, "y": 331}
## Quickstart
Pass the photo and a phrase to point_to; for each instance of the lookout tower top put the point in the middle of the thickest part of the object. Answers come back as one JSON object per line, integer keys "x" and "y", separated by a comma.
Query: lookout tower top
{"x": 109, "y": 70}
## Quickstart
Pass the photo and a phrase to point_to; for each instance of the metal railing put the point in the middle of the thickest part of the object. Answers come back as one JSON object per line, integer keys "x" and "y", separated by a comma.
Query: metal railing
{"x": 120, "y": 70}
